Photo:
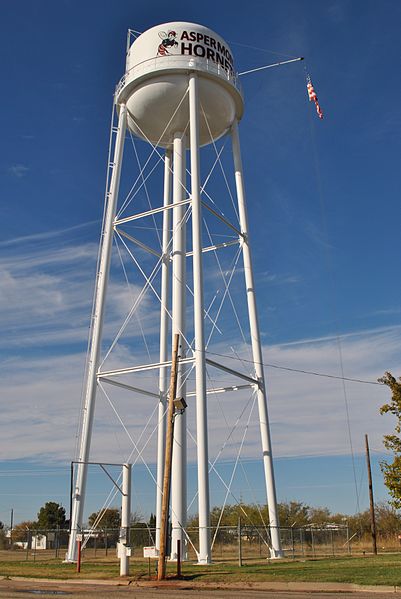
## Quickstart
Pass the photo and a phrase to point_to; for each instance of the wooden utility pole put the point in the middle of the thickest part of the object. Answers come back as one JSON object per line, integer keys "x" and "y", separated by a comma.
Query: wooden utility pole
{"x": 161, "y": 570}
{"x": 371, "y": 501}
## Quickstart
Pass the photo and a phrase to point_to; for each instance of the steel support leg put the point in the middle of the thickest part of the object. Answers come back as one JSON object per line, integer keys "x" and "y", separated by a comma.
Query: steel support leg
{"x": 179, "y": 463}
{"x": 276, "y": 550}
{"x": 204, "y": 555}
{"x": 96, "y": 336}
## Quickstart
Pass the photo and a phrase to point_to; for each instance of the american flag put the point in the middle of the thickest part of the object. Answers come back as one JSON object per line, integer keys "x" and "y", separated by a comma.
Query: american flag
{"x": 313, "y": 97}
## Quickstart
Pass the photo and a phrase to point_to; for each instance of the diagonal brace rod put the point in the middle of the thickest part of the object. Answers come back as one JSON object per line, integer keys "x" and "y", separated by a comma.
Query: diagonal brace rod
{"x": 128, "y": 387}
{"x": 128, "y": 219}
{"x": 138, "y": 243}
{"x": 222, "y": 218}
{"x": 231, "y": 371}
{"x": 111, "y": 478}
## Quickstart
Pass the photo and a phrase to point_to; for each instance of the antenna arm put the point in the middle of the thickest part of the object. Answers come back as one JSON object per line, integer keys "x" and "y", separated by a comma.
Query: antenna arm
{"x": 269, "y": 66}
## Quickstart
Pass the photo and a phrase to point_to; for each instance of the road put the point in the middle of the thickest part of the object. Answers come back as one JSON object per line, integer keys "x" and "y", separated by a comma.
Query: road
{"x": 11, "y": 589}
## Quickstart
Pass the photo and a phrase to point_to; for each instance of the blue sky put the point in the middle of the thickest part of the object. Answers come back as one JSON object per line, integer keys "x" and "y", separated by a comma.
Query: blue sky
{"x": 323, "y": 201}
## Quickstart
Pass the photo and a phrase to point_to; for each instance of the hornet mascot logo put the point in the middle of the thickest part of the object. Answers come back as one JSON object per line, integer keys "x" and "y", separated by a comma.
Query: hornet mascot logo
{"x": 168, "y": 40}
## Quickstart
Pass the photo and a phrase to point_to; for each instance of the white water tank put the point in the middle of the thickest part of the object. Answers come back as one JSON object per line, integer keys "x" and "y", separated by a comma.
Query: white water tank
{"x": 156, "y": 81}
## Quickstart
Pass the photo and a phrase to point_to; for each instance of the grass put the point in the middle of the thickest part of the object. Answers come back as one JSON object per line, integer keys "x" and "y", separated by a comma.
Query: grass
{"x": 380, "y": 570}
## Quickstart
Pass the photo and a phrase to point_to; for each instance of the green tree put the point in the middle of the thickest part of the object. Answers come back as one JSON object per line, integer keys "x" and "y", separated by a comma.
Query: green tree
{"x": 392, "y": 471}
{"x": 107, "y": 522}
{"x": 51, "y": 516}
{"x": 137, "y": 518}
{"x": 110, "y": 518}
{"x": 20, "y": 531}
{"x": 388, "y": 521}
{"x": 293, "y": 513}
{"x": 319, "y": 515}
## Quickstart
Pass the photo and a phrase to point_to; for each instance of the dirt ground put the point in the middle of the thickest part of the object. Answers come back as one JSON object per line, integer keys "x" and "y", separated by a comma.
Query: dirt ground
{"x": 14, "y": 589}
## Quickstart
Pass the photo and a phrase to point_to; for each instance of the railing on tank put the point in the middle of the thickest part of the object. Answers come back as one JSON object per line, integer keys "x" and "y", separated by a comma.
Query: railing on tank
{"x": 182, "y": 62}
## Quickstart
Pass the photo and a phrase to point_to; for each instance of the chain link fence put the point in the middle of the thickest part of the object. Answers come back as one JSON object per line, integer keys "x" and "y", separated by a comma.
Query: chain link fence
{"x": 230, "y": 543}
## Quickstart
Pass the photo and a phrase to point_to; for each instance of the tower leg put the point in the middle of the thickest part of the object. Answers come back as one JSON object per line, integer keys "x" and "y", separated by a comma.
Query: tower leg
{"x": 276, "y": 550}
{"x": 164, "y": 325}
{"x": 179, "y": 463}
{"x": 204, "y": 556}
{"x": 96, "y": 336}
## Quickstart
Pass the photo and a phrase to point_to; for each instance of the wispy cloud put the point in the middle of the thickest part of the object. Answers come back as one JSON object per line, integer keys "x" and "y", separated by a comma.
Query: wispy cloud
{"x": 45, "y": 303}
{"x": 46, "y": 288}
{"x": 308, "y": 414}
{"x": 35, "y": 237}
{"x": 18, "y": 170}
{"x": 279, "y": 279}
{"x": 387, "y": 311}
{"x": 336, "y": 12}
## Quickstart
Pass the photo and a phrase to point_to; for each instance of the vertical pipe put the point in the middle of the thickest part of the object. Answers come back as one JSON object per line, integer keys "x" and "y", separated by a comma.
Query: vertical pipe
{"x": 96, "y": 336}
{"x": 276, "y": 551}
{"x": 125, "y": 520}
{"x": 204, "y": 555}
{"x": 71, "y": 493}
{"x": 164, "y": 323}
{"x": 178, "y": 475}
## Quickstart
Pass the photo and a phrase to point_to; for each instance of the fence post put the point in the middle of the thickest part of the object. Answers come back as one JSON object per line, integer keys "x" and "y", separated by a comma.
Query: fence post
{"x": 348, "y": 540}
{"x": 239, "y": 543}
{"x": 79, "y": 556}
{"x": 28, "y": 535}
{"x": 34, "y": 546}
{"x": 178, "y": 558}
{"x": 292, "y": 542}
{"x": 313, "y": 542}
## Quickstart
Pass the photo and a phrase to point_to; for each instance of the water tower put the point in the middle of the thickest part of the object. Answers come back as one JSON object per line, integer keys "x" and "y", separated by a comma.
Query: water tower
{"x": 180, "y": 92}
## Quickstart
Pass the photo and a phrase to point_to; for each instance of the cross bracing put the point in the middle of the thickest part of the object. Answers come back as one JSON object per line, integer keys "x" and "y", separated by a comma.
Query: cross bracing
{"x": 130, "y": 366}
